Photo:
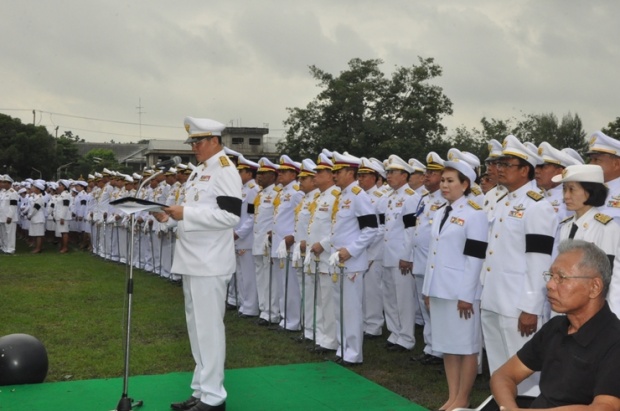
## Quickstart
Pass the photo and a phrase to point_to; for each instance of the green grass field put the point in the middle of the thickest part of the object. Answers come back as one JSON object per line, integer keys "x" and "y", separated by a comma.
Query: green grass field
{"x": 74, "y": 303}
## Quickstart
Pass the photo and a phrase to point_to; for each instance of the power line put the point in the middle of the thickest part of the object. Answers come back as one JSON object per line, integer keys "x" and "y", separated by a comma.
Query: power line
{"x": 91, "y": 118}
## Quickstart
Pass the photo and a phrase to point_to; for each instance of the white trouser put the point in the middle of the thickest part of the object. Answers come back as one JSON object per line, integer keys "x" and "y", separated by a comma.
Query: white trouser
{"x": 502, "y": 340}
{"x": 290, "y": 297}
{"x": 428, "y": 339}
{"x": 267, "y": 308}
{"x": 204, "y": 312}
{"x": 246, "y": 274}
{"x": 405, "y": 286}
{"x": 373, "y": 299}
{"x": 353, "y": 321}
{"x": 390, "y": 308}
{"x": 8, "y": 241}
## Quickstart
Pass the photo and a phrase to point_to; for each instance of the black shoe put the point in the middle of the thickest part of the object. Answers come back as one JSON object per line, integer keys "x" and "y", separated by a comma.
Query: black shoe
{"x": 430, "y": 360}
{"x": 371, "y": 336}
{"x": 201, "y": 406}
{"x": 262, "y": 322}
{"x": 397, "y": 348}
{"x": 339, "y": 360}
{"x": 301, "y": 339}
{"x": 230, "y": 307}
{"x": 185, "y": 405}
{"x": 247, "y": 316}
{"x": 389, "y": 344}
{"x": 322, "y": 350}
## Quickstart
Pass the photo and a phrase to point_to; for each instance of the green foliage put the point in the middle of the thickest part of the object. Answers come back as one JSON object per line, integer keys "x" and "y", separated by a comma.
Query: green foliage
{"x": 363, "y": 112}
{"x": 30, "y": 151}
{"x": 613, "y": 129}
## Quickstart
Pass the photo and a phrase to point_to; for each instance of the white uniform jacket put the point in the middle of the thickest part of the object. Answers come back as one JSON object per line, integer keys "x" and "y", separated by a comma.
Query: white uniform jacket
{"x": 320, "y": 226}
{"x": 245, "y": 228}
{"x": 555, "y": 197}
{"x": 419, "y": 236}
{"x": 520, "y": 245}
{"x": 456, "y": 253}
{"x": 263, "y": 218}
{"x": 396, "y": 221}
{"x": 36, "y": 214}
{"x": 379, "y": 202}
{"x": 612, "y": 203}
{"x": 205, "y": 244}
{"x": 284, "y": 214}
{"x": 354, "y": 227}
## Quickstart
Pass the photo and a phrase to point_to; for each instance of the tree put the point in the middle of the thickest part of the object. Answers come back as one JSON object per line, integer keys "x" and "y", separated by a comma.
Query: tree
{"x": 613, "y": 129}
{"x": 363, "y": 112}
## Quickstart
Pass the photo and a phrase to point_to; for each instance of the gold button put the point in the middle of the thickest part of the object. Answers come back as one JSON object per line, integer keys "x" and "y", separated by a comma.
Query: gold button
{"x": 488, "y": 268}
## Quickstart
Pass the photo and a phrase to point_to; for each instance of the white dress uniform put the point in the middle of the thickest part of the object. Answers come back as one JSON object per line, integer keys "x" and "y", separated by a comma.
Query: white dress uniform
{"x": 246, "y": 271}
{"x": 490, "y": 199}
{"x": 263, "y": 224}
{"x": 36, "y": 216}
{"x": 319, "y": 231}
{"x": 62, "y": 212}
{"x": 418, "y": 239}
{"x": 399, "y": 290}
{"x": 205, "y": 257}
{"x": 304, "y": 277}
{"x": 555, "y": 197}
{"x": 612, "y": 203}
{"x": 455, "y": 258}
{"x": 114, "y": 226}
{"x": 373, "y": 279}
{"x": 520, "y": 246}
{"x": 354, "y": 228}
{"x": 9, "y": 219}
{"x": 283, "y": 225}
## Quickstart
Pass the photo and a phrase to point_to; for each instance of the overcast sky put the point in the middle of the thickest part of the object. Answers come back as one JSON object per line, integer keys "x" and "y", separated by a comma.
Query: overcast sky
{"x": 244, "y": 62}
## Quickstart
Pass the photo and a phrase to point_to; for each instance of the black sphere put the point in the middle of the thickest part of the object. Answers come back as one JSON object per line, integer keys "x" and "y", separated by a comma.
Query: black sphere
{"x": 23, "y": 360}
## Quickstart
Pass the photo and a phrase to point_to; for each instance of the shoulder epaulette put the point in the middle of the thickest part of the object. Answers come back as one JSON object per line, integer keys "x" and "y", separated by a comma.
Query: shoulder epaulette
{"x": 378, "y": 193}
{"x": 476, "y": 190}
{"x": 567, "y": 219}
{"x": 224, "y": 161}
{"x": 277, "y": 189}
{"x": 425, "y": 194}
{"x": 409, "y": 191}
{"x": 602, "y": 218}
{"x": 317, "y": 194}
{"x": 251, "y": 185}
{"x": 534, "y": 195}
{"x": 296, "y": 187}
{"x": 474, "y": 205}
{"x": 356, "y": 190}
{"x": 500, "y": 199}
{"x": 335, "y": 192}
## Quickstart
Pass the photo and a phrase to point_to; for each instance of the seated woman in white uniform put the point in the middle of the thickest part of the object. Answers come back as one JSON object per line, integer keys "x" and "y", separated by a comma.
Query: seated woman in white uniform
{"x": 452, "y": 286}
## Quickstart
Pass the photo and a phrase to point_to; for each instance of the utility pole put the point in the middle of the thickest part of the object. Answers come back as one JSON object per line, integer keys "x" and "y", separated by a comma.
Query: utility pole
{"x": 140, "y": 112}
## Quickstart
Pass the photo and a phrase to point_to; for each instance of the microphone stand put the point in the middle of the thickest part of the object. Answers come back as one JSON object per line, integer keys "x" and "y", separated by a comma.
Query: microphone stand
{"x": 126, "y": 403}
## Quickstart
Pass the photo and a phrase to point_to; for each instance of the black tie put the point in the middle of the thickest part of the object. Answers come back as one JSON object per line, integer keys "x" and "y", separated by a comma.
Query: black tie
{"x": 573, "y": 230}
{"x": 445, "y": 217}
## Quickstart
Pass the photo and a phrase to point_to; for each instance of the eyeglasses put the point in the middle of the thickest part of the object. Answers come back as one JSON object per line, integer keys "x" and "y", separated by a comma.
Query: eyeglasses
{"x": 502, "y": 164}
{"x": 197, "y": 142}
{"x": 559, "y": 278}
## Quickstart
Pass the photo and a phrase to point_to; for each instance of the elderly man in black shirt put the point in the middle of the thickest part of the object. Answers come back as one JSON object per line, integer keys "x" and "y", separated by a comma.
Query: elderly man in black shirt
{"x": 578, "y": 354}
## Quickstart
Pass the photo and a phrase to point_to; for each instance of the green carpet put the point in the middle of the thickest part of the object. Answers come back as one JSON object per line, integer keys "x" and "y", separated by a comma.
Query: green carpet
{"x": 316, "y": 387}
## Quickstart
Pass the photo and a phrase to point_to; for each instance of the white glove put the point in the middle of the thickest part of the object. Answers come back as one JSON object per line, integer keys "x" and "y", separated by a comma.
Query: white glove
{"x": 308, "y": 259}
{"x": 296, "y": 253}
{"x": 281, "y": 251}
{"x": 334, "y": 259}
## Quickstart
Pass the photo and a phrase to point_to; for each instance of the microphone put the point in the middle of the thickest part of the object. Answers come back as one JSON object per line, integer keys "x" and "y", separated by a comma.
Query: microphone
{"x": 165, "y": 165}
